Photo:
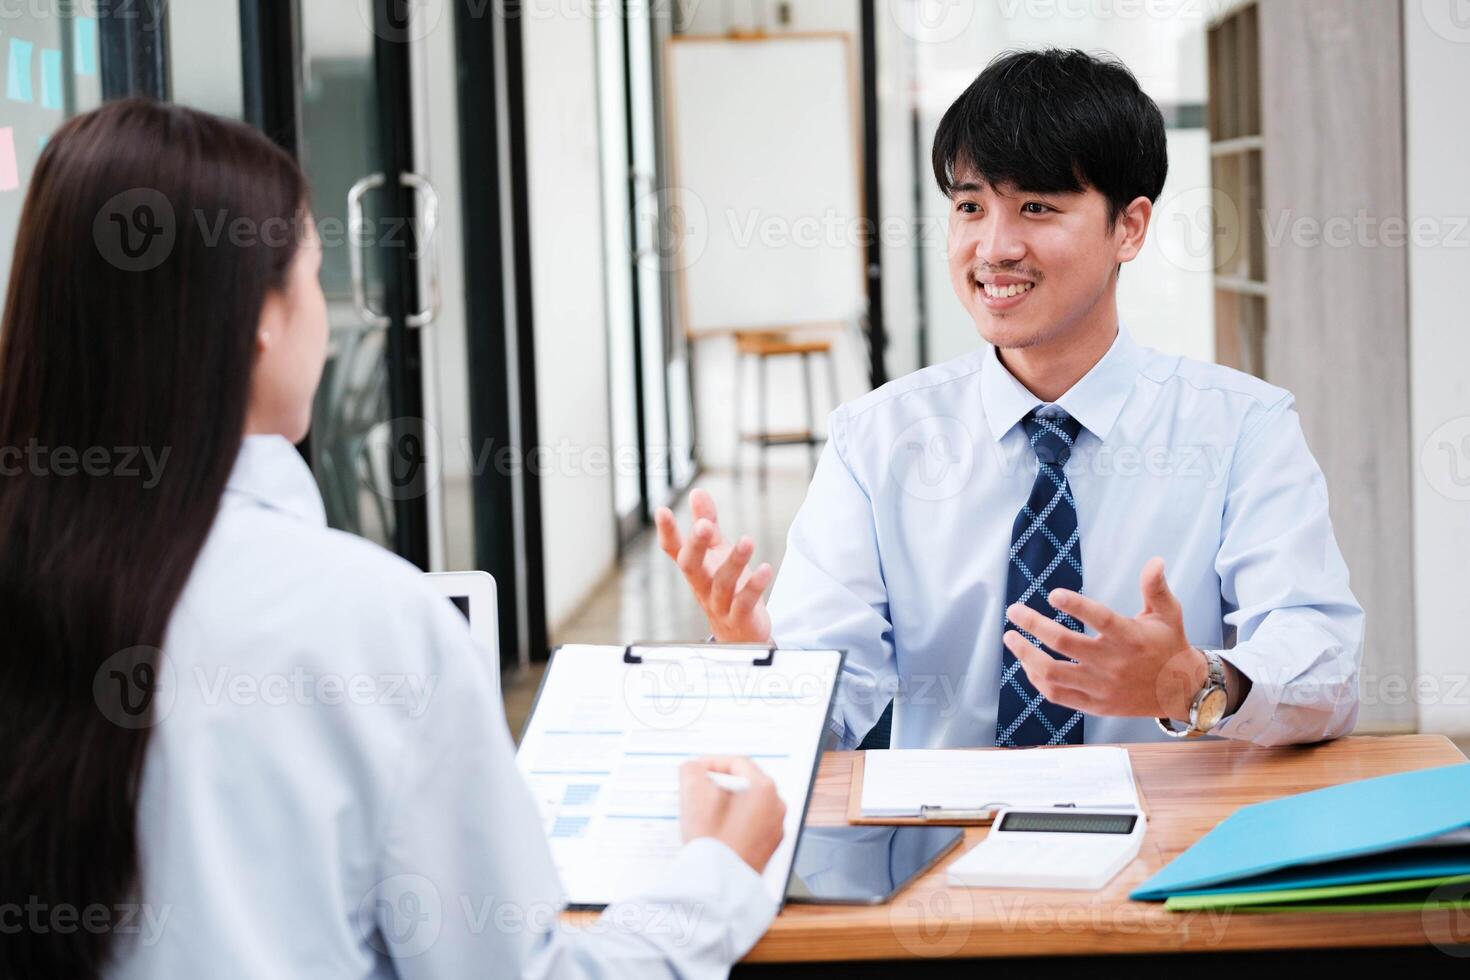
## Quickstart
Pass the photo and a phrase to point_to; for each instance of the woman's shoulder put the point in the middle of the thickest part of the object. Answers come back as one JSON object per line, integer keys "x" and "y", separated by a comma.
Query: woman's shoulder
{"x": 316, "y": 581}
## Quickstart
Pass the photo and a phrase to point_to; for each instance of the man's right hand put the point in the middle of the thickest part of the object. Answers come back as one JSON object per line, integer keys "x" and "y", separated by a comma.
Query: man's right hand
{"x": 715, "y": 569}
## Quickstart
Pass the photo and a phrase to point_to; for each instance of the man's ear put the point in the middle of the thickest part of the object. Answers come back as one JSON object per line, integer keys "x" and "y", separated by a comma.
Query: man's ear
{"x": 1132, "y": 228}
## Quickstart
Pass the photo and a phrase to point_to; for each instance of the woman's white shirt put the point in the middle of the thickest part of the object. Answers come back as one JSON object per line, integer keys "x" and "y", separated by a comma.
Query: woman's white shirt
{"x": 331, "y": 791}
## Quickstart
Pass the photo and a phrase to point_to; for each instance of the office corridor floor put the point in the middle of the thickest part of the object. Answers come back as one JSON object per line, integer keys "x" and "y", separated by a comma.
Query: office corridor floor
{"x": 645, "y": 598}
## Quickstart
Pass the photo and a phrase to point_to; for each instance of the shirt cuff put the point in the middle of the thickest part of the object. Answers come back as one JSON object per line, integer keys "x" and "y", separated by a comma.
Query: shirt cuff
{"x": 711, "y": 880}
{"x": 1254, "y": 713}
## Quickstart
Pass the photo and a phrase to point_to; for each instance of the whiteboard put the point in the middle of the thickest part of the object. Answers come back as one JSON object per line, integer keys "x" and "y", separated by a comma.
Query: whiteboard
{"x": 766, "y": 209}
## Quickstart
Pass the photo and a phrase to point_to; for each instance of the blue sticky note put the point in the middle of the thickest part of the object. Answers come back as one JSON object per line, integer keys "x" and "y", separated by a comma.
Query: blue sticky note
{"x": 18, "y": 87}
{"x": 51, "y": 93}
{"x": 84, "y": 33}
{"x": 41, "y": 142}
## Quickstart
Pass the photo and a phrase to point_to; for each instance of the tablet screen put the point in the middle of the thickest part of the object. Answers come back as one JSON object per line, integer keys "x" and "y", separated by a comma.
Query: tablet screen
{"x": 860, "y": 865}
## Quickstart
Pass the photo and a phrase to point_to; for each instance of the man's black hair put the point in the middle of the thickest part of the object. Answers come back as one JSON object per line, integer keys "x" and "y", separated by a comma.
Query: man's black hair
{"x": 1055, "y": 121}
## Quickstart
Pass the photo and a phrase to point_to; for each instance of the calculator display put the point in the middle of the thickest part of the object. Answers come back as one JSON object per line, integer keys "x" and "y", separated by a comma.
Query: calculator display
{"x": 1068, "y": 823}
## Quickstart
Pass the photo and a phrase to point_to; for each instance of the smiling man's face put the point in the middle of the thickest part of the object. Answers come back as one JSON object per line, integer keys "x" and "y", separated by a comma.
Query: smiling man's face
{"x": 1031, "y": 268}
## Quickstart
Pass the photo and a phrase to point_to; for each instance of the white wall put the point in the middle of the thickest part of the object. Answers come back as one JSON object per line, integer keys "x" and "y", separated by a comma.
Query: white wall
{"x": 1437, "y": 59}
{"x": 567, "y": 299}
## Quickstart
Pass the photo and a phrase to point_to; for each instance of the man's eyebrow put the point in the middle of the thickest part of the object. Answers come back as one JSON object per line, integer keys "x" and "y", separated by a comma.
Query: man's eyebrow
{"x": 968, "y": 186}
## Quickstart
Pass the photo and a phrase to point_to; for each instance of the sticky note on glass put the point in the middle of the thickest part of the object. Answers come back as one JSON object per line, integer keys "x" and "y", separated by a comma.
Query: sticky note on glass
{"x": 51, "y": 93}
{"x": 84, "y": 35}
{"x": 9, "y": 172}
{"x": 18, "y": 86}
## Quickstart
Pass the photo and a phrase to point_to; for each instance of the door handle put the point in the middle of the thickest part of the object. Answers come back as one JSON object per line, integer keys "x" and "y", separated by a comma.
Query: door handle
{"x": 356, "y": 225}
{"x": 428, "y": 248}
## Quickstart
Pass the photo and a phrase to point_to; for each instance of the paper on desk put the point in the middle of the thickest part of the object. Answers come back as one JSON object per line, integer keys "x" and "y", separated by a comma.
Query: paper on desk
{"x": 898, "y": 783}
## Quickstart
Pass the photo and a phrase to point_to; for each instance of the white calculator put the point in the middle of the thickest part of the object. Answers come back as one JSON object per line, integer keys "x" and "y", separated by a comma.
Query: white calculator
{"x": 1052, "y": 847}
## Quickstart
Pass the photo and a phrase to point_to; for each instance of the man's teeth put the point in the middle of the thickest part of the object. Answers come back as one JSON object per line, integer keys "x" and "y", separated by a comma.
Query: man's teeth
{"x": 1002, "y": 292}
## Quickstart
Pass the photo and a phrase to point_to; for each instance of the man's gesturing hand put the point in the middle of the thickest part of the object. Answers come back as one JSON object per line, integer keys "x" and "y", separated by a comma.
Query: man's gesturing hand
{"x": 1139, "y": 667}
{"x": 715, "y": 569}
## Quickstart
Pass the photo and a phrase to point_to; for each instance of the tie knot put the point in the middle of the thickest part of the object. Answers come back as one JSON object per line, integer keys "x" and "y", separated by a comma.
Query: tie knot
{"x": 1052, "y": 436}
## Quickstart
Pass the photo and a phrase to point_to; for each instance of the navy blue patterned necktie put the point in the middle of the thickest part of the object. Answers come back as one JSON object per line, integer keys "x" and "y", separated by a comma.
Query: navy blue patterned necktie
{"x": 1046, "y": 554}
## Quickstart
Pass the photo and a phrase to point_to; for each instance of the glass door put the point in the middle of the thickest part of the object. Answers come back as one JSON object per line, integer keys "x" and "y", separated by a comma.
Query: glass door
{"x": 622, "y": 187}
{"x": 656, "y": 23}
{"x": 648, "y": 372}
{"x": 370, "y": 447}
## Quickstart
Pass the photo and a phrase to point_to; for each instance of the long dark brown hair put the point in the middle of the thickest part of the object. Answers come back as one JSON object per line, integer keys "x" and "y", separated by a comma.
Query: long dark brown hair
{"x": 129, "y": 331}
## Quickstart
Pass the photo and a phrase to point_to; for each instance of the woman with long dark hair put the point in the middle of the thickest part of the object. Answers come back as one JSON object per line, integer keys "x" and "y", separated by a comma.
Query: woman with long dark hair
{"x": 232, "y": 741}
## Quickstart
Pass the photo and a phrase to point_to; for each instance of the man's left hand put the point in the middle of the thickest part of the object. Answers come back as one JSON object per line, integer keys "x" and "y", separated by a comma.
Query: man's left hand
{"x": 1139, "y": 667}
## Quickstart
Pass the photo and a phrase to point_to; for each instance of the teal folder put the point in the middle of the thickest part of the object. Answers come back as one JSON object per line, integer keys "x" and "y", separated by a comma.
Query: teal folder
{"x": 1370, "y": 830}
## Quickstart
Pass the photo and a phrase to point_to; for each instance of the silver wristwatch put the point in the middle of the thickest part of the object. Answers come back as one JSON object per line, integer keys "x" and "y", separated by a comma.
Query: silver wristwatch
{"x": 1208, "y": 707}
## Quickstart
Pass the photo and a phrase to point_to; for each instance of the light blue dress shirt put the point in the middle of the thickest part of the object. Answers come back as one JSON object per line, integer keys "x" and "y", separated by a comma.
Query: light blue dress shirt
{"x": 331, "y": 790}
{"x": 899, "y": 553}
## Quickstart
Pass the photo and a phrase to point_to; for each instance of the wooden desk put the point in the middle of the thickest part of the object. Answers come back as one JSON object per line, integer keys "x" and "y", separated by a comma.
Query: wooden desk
{"x": 1189, "y": 787}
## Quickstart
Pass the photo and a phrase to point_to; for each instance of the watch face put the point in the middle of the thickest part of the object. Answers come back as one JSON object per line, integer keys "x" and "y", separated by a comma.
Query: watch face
{"x": 1211, "y": 709}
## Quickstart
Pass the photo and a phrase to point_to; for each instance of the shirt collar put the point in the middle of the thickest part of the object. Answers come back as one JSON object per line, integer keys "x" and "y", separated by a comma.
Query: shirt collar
{"x": 271, "y": 472}
{"x": 1096, "y": 400}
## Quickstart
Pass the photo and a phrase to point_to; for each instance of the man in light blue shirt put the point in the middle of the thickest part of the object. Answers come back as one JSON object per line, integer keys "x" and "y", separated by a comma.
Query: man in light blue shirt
{"x": 1062, "y": 537}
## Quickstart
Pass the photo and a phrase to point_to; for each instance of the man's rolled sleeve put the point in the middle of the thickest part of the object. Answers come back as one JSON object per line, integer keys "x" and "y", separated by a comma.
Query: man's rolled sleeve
{"x": 1284, "y": 586}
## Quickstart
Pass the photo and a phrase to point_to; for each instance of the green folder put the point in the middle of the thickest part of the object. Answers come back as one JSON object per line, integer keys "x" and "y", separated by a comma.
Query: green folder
{"x": 1415, "y": 894}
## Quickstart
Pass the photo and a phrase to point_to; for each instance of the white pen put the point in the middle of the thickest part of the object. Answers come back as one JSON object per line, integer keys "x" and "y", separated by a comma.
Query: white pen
{"x": 735, "y": 784}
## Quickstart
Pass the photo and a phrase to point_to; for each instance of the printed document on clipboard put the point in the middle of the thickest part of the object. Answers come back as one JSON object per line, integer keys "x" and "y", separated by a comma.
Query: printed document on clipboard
{"x": 612, "y": 725}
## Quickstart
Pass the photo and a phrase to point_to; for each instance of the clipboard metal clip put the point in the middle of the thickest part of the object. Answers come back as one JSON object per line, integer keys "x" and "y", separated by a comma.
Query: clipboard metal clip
{"x": 985, "y": 811}
{"x": 769, "y": 658}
